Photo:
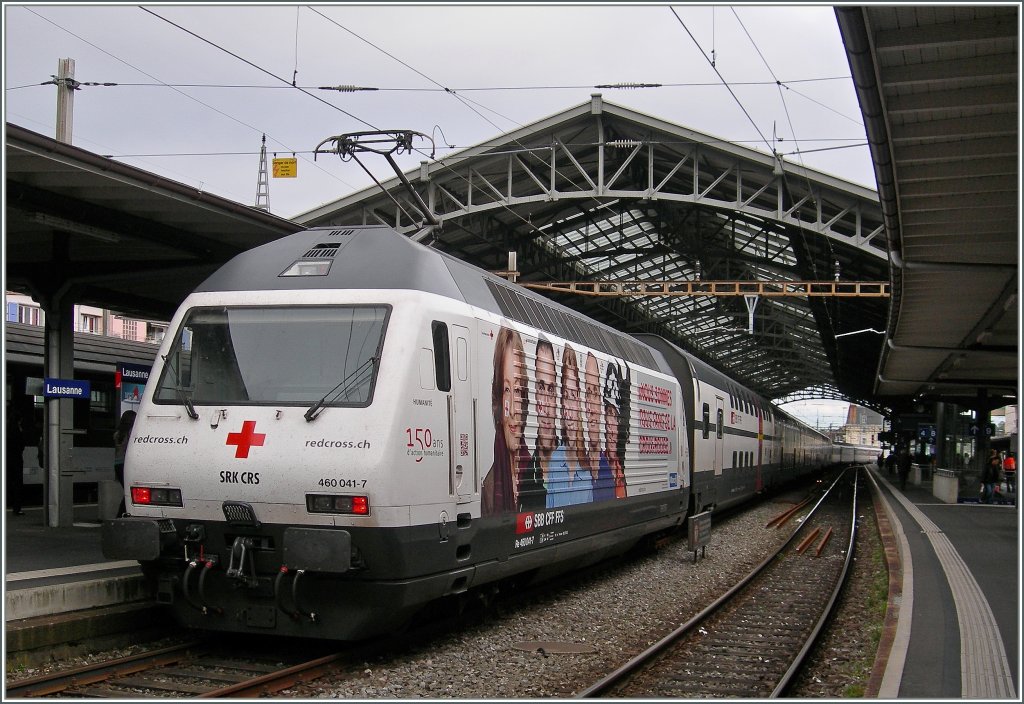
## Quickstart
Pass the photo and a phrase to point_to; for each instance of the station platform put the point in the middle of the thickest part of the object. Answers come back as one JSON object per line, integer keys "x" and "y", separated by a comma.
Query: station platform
{"x": 50, "y": 571}
{"x": 955, "y": 589}
{"x": 957, "y": 631}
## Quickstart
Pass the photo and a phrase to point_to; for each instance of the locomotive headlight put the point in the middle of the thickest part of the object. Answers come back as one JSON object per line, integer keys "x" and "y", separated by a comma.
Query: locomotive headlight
{"x": 155, "y": 496}
{"x": 330, "y": 503}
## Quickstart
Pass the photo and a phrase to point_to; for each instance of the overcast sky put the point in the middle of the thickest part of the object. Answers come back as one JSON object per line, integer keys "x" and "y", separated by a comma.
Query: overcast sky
{"x": 199, "y": 85}
{"x": 511, "y": 65}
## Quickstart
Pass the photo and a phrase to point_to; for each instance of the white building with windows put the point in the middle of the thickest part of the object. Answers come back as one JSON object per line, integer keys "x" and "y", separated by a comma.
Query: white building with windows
{"x": 88, "y": 319}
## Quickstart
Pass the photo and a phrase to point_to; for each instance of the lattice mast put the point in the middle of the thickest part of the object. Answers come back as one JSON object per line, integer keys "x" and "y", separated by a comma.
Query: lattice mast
{"x": 262, "y": 184}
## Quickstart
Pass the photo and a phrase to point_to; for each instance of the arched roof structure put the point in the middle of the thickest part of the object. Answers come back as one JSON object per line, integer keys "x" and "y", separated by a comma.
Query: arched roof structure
{"x": 602, "y": 193}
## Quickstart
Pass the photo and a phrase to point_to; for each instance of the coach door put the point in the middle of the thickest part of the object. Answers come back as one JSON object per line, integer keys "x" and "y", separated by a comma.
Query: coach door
{"x": 462, "y": 457}
{"x": 719, "y": 434}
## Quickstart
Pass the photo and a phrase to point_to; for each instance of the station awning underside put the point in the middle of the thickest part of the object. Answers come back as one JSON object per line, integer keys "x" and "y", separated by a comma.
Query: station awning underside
{"x": 939, "y": 87}
{"x": 111, "y": 235}
{"x": 602, "y": 193}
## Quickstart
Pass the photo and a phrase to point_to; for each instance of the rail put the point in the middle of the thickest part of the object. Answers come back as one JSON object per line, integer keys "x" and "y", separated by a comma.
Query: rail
{"x": 660, "y": 651}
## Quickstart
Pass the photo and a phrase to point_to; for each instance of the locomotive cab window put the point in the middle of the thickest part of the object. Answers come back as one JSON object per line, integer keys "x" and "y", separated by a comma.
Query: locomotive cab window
{"x": 442, "y": 358}
{"x": 280, "y": 355}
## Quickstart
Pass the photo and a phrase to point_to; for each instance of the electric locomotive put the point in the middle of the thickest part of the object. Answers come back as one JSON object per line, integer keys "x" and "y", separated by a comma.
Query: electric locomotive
{"x": 343, "y": 426}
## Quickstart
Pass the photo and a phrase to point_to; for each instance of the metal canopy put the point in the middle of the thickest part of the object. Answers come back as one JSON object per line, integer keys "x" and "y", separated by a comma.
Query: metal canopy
{"x": 604, "y": 193}
{"x": 113, "y": 235}
{"x": 939, "y": 88}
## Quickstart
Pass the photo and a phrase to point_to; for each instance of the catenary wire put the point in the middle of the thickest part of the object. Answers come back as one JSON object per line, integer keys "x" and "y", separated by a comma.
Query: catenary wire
{"x": 258, "y": 68}
{"x": 504, "y": 152}
{"x": 782, "y": 97}
{"x": 295, "y": 72}
{"x": 448, "y": 90}
{"x": 724, "y": 82}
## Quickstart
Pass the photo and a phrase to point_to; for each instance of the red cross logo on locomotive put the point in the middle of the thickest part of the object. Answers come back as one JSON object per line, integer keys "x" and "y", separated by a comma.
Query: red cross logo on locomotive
{"x": 246, "y": 439}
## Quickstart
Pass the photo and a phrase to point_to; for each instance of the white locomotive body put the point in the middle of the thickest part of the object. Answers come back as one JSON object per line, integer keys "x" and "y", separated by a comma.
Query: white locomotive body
{"x": 345, "y": 426}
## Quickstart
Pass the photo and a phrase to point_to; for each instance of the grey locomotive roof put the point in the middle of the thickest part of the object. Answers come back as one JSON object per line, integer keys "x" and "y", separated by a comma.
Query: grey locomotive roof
{"x": 361, "y": 258}
{"x": 378, "y": 257}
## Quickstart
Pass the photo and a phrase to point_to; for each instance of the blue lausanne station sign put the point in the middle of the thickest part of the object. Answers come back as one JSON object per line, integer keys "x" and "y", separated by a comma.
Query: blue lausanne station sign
{"x": 65, "y": 388}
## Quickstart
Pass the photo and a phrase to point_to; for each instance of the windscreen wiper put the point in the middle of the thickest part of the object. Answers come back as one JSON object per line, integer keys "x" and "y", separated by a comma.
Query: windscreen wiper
{"x": 189, "y": 408}
{"x": 341, "y": 387}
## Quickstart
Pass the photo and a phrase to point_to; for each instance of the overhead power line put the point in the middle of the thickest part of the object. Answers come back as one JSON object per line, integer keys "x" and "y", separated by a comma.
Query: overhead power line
{"x": 722, "y": 78}
{"x": 258, "y": 68}
{"x": 502, "y": 152}
{"x": 464, "y": 101}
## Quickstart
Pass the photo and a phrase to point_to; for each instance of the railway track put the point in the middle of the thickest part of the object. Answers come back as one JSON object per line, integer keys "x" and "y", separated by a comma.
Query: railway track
{"x": 193, "y": 669}
{"x": 751, "y": 642}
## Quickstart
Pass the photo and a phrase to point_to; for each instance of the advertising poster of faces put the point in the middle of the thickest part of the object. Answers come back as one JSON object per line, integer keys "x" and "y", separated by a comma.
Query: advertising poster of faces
{"x": 564, "y": 417}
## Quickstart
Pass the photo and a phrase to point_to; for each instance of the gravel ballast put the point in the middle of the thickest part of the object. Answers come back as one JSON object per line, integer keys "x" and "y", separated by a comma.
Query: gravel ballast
{"x": 619, "y": 612}
{"x": 611, "y": 614}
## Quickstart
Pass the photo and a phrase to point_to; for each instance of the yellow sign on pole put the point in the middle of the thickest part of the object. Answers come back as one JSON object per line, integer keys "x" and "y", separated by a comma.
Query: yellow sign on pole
{"x": 286, "y": 168}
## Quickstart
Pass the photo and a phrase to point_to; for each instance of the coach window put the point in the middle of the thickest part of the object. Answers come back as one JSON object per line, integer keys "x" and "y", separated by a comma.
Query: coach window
{"x": 707, "y": 420}
{"x": 721, "y": 420}
{"x": 442, "y": 358}
{"x": 734, "y": 458}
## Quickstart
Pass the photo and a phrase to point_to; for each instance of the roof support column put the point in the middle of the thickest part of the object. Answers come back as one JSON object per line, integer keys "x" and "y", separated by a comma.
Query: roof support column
{"x": 58, "y": 415}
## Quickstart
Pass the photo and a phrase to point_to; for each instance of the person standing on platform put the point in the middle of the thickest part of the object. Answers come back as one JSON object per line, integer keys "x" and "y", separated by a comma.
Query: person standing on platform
{"x": 1010, "y": 471}
{"x": 904, "y": 467}
{"x": 990, "y": 476}
{"x": 122, "y": 436}
{"x": 14, "y": 451}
